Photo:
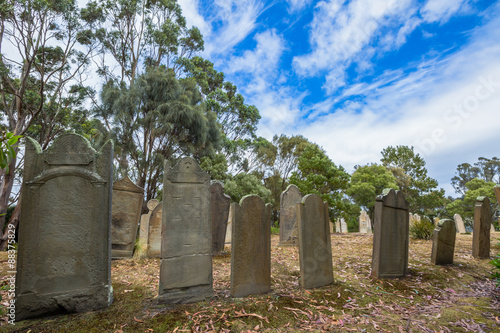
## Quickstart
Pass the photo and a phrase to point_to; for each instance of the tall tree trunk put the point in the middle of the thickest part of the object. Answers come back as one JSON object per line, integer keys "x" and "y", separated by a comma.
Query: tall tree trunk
{"x": 14, "y": 220}
{"x": 8, "y": 182}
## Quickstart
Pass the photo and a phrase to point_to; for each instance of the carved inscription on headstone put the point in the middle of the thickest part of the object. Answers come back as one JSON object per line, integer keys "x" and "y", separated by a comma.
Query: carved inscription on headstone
{"x": 64, "y": 259}
{"x": 288, "y": 215}
{"x": 186, "y": 248}
{"x": 391, "y": 235}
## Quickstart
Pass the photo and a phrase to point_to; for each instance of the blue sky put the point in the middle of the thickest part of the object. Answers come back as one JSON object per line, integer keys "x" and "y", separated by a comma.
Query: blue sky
{"x": 358, "y": 76}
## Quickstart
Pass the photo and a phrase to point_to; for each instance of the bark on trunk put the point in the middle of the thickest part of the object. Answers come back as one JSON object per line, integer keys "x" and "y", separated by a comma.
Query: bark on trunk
{"x": 14, "y": 220}
{"x": 8, "y": 181}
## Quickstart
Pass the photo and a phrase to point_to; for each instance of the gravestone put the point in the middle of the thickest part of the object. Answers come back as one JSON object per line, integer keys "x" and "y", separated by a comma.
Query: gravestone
{"x": 459, "y": 223}
{"x": 391, "y": 235}
{"x": 496, "y": 188}
{"x": 250, "y": 248}
{"x": 155, "y": 232}
{"x": 288, "y": 215}
{"x": 482, "y": 228}
{"x": 414, "y": 218}
{"x": 337, "y": 226}
{"x": 332, "y": 227}
{"x": 365, "y": 225}
{"x": 230, "y": 219}
{"x": 492, "y": 228}
{"x": 186, "y": 247}
{"x": 443, "y": 243}
{"x": 64, "y": 256}
{"x": 220, "y": 203}
{"x": 144, "y": 227}
{"x": 315, "y": 251}
{"x": 269, "y": 212}
{"x": 126, "y": 210}
{"x": 343, "y": 226}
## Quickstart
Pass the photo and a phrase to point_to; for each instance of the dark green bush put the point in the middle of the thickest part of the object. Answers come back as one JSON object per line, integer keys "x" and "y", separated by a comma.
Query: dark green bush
{"x": 422, "y": 229}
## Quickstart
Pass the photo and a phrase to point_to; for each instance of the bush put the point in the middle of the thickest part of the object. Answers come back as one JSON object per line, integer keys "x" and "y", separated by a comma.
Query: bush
{"x": 422, "y": 229}
{"x": 496, "y": 264}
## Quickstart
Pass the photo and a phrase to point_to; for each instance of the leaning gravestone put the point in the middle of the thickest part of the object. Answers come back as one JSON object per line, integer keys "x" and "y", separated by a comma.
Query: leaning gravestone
{"x": 343, "y": 226}
{"x": 126, "y": 210}
{"x": 288, "y": 215}
{"x": 250, "y": 248}
{"x": 144, "y": 228}
{"x": 155, "y": 232}
{"x": 315, "y": 251}
{"x": 459, "y": 223}
{"x": 64, "y": 259}
{"x": 220, "y": 203}
{"x": 443, "y": 243}
{"x": 186, "y": 247}
{"x": 391, "y": 235}
{"x": 482, "y": 228}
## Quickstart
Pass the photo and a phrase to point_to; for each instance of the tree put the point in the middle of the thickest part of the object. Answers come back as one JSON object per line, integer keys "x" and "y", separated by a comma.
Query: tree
{"x": 411, "y": 177}
{"x": 44, "y": 47}
{"x": 245, "y": 184}
{"x": 464, "y": 174}
{"x": 319, "y": 175}
{"x": 158, "y": 117}
{"x": 485, "y": 168}
{"x": 369, "y": 181}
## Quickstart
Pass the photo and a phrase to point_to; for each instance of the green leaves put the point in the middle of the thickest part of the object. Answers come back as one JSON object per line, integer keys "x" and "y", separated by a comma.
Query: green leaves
{"x": 7, "y": 151}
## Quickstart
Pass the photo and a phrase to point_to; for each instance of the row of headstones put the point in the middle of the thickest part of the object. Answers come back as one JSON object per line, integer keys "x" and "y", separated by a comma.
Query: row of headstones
{"x": 64, "y": 258}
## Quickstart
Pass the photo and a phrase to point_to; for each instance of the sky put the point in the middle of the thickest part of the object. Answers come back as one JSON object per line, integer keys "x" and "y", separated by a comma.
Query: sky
{"x": 358, "y": 76}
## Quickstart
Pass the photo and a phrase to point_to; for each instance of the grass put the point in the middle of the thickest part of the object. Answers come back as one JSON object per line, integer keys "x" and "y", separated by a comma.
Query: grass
{"x": 457, "y": 298}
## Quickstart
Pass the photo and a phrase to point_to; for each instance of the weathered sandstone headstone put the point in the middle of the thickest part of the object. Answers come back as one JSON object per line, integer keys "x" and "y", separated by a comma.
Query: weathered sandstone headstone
{"x": 250, "y": 248}
{"x": 230, "y": 219}
{"x": 332, "y": 227}
{"x": 492, "y": 228}
{"x": 186, "y": 247}
{"x": 155, "y": 232}
{"x": 365, "y": 225}
{"x": 220, "y": 203}
{"x": 482, "y": 228}
{"x": 337, "y": 226}
{"x": 497, "y": 192}
{"x": 459, "y": 223}
{"x": 144, "y": 227}
{"x": 64, "y": 256}
{"x": 126, "y": 210}
{"x": 269, "y": 212}
{"x": 343, "y": 226}
{"x": 288, "y": 215}
{"x": 315, "y": 251}
{"x": 443, "y": 243}
{"x": 391, "y": 235}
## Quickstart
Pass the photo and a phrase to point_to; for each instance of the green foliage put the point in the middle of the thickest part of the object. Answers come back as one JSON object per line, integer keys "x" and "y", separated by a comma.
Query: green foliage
{"x": 411, "y": 177}
{"x": 318, "y": 174}
{"x": 158, "y": 117}
{"x": 496, "y": 266}
{"x": 422, "y": 229}
{"x": 244, "y": 184}
{"x": 485, "y": 169}
{"x": 216, "y": 166}
{"x": 275, "y": 230}
{"x": 369, "y": 181}
{"x": 7, "y": 152}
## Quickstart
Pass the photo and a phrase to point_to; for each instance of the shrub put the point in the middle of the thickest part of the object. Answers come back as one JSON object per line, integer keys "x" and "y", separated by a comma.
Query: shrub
{"x": 496, "y": 273}
{"x": 422, "y": 229}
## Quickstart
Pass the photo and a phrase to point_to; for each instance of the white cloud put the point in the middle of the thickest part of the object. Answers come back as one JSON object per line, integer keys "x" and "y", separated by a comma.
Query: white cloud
{"x": 297, "y": 5}
{"x": 442, "y": 10}
{"x": 190, "y": 10}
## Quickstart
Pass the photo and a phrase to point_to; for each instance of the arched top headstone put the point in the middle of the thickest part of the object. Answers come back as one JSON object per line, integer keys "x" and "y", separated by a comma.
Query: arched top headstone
{"x": 152, "y": 204}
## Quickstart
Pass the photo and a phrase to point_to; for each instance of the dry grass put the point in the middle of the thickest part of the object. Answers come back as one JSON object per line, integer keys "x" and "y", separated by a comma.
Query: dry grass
{"x": 457, "y": 298}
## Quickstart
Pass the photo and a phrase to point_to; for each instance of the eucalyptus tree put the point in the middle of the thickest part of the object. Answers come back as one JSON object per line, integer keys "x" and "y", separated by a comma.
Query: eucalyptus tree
{"x": 45, "y": 48}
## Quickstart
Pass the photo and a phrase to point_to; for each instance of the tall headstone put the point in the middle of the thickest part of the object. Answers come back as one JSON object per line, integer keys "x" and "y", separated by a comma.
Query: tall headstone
{"x": 155, "y": 232}
{"x": 64, "y": 257}
{"x": 220, "y": 203}
{"x": 482, "y": 228}
{"x": 144, "y": 227}
{"x": 365, "y": 224}
{"x": 288, "y": 215}
{"x": 126, "y": 211}
{"x": 269, "y": 212}
{"x": 343, "y": 226}
{"x": 315, "y": 251}
{"x": 186, "y": 247}
{"x": 391, "y": 235}
{"x": 337, "y": 226}
{"x": 443, "y": 243}
{"x": 230, "y": 219}
{"x": 459, "y": 223}
{"x": 250, "y": 248}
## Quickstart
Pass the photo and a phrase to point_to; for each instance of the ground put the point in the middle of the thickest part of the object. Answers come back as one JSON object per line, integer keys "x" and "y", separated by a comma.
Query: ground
{"x": 457, "y": 298}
